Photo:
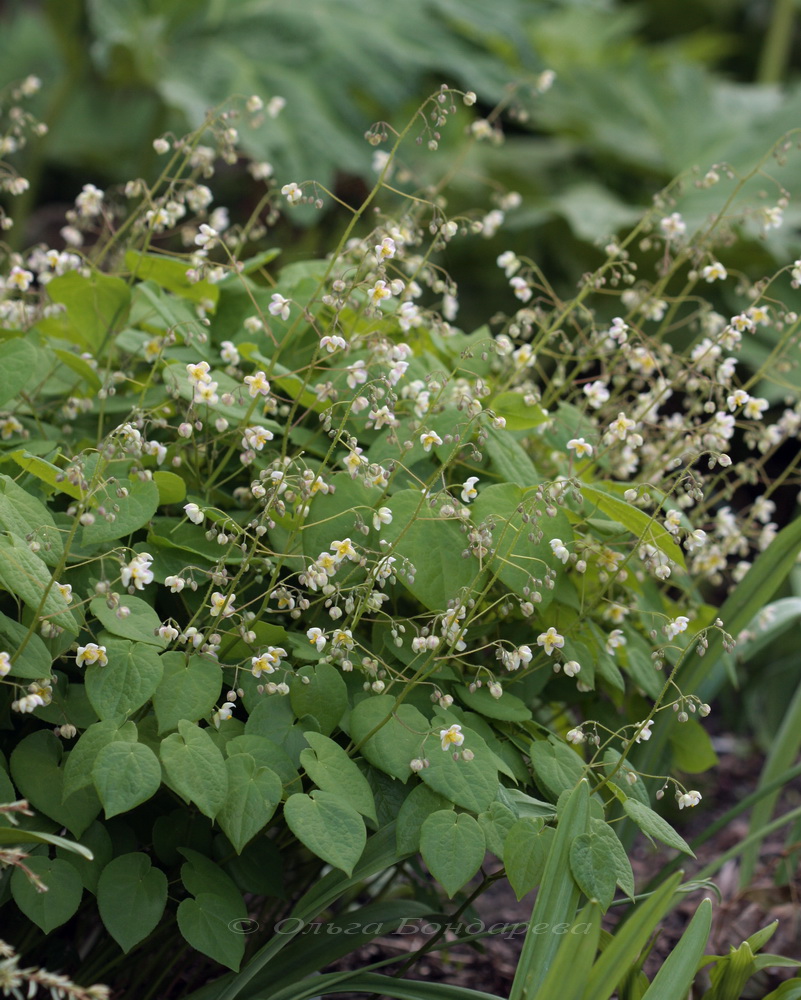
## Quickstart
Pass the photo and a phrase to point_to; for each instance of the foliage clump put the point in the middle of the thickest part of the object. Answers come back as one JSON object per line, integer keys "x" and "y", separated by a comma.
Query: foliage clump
{"x": 299, "y": 577}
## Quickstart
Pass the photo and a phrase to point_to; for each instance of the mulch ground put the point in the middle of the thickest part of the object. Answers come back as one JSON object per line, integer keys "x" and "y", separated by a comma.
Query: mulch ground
{"x": 739, "y": 913}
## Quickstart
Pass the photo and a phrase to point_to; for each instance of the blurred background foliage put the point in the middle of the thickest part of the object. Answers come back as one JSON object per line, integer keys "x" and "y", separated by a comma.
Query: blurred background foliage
{"x": 645, "y": 90}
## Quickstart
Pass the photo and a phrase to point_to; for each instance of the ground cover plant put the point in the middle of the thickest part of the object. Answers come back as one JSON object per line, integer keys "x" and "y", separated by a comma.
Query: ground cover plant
{"x": 317, "y": 609}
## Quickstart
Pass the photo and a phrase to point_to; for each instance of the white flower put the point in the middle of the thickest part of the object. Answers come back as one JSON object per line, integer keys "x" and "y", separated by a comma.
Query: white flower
{"x": 257, "y": 384}
{"x": 333, "y": 343}
{"x": 279, "y": 306}
{"x": 559, "y": 550}
{"x": 620, "y": 426}
{"x": 222, "y": 714}
{"x": 317, "y": 638}
{"x": 382, "y": 516}
{"x": 292, "y": 193}
{"x": 714, "y": 272}
{"x": 429, "y": 439}
{"x": 550, "y": 640}
{"x": 673, "y": 226}
{"x": 168, "y": 632}
{"x": 175, "y": 583}
{"x": 644, "y": 732}
{"x": 91, "y": 653}
{"x": 580, "y": 446}
{"x": 597, "y": 394}
{"x": 689, "y": 799}
{"x": 5, "y": 664}
{"x": 575, "y": 736}
{"x": 571, "y": 668}
{"x": 194, "y": 513}
{"x": 379, "y": 292}
{"x": 385, "y": 249}
{"x": 138, "y": 572}
{"x": 453, "y": 736}
{"x": 469, "y": 491}
{"x": 198, "y": 373}
{"x": 222, "y": 605}
{"x": 673, "y": 628}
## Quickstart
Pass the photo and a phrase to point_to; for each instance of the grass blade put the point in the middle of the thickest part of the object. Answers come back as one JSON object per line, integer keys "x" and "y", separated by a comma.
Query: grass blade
{"x": 783, "y": 752}
{"x": 628, "y": 941}
{"x": 676, "y": 976}
{"x": 557, "y": 898}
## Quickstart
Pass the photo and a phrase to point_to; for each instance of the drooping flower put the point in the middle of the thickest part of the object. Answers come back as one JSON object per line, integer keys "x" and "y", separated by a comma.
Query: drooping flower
{"x": 317, "y": 638}
{"x": 550, "y": 640}
{"x": 580, "y": 446}
{"x": 91, "y": 653}
{"x": 194, "y": 513}
{"x": 453, "y": 736}
{"x": 469, "y": 491}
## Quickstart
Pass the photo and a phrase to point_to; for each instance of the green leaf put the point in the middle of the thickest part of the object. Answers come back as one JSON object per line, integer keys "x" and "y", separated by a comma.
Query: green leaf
{"x": 140, "y": 624}
{"x": 201, "y": 874}
{"x": 434, "y": 547}
{"x": 132, "y": 511}
{"x": 496, "y": 823}
{"x": 46, "y": 472}
{"x": 25, "y": 575}
{"x": 34, "y": 662}
{"x": 319, "y": 691}
{"x": 471, "y": 784}
{"x": 80, "y": 366}
{"x": 16, "y": 836}
{"x": 453, "y": 848}
{"x": 253, "y": 795}
{"x": 125, "y": 775}
{"x": 172, "y": 488}
{"x": 189, "y": 689}
{"x": 329, "y": 827}
{"x": 195, "y": 768}
{"x": 634, "y": 520}
{"x": 96, "y": 841}
{"x": 36, "y": 773}
{"x": 418, "y": 805}
{"x": 556, "y": 767}
{"x": 653, "y": 826}
{"x": 617, "y": 858}
{"x": 591, "y": 868}
{"x": 525, "y": 851}
{"x": 170, "y": 274}
{"x": 507, "y": 708}
{"x": 205, "y": 923}
{"x": 677, "y": 973}
{"x": 19, "y": 365}
{"x": 53, "y": 908}
{"x": 128, "y": 680}
{"x": 692, "y": 748}
{"x": 397, "y": 742}
{"x": 131, "y": 896}
{"x": 266, "y": 753}
{"x": 81, "y": 759}
{"x": 510, "y": 459}
{"x": 27, "y": 517}
{"x": 516, "y": 559}
{"x": 331, "y": 769}
{"x": 518, "y": 414}
{"x": 96, "y": 305}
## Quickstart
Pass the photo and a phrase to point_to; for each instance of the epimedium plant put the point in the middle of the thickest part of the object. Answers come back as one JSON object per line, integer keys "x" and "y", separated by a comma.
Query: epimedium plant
{"x": 301, "y": 583}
